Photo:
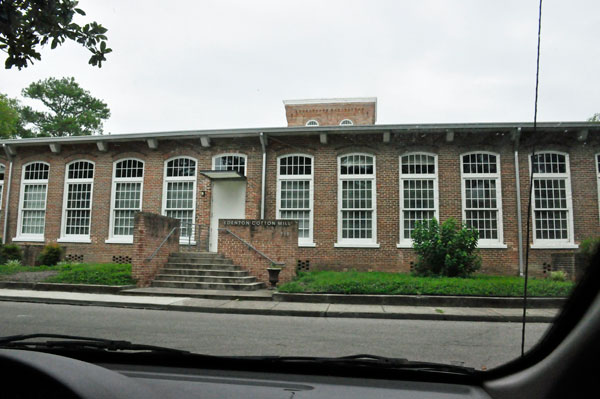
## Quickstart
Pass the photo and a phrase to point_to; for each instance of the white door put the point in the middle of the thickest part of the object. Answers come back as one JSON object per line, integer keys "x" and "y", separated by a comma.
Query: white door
{"x": 228, "y": 202}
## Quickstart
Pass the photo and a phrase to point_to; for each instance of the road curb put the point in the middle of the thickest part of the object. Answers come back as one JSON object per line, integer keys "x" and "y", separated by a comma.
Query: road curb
{"x": 80, "y": 288}
{"x": 423, "y": 300}
{"x": 286, "y": 312}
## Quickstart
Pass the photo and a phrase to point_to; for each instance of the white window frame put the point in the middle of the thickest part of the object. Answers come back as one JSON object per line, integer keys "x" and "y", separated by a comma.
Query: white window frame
{"x": 344, "y": 122}
{"x": 185, "y": 179}
{"x": 408, "y": 242}
{"x": 123, "y": 239}
{"x": 31, "y": 237}
{"x": 302, "y": 241}
{"x": 485, "y": 243}
{"x": 312, "y": 122}
{"x": 82, "y": 238}
{"x": 229, "y": 154}
{"x": 3, "y": 169}
{"x": 357, "y": 242}
{"x": 569, "y": 243}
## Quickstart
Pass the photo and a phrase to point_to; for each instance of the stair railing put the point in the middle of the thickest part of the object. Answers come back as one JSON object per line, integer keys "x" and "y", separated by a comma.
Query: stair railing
{"x": 273, "y": 262}
{"x": 161, "y": 244}
{"x": 196, "y": 228}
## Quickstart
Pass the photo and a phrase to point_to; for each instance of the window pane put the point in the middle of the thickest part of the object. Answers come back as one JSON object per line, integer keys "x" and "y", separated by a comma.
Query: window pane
{"x": 129, "y": 168}
{"x": 231, "y": 162}
{"x": 36, "y": 171}
{"x": 418, "y": 203}
{"x": 181, "y": 167}
{"x": 356, "y": 165}
{"x": 180, "y": 205}
{"x": 295, "y": 165}
{"x": 357, "y": 224}
{"x": 418, "y": 164}
{"x": 81, "y": 170}
{"x": 78, "y": 209}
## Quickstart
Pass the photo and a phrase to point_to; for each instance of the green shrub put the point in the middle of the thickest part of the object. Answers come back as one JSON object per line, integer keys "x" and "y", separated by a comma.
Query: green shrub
{"x": 589, "y": 247}
{"x": 13, "y": 263}
{"x": 50, "y": 255}
{"x": 558, "y": 275}
{"x": 446, "y": 249}
{"x": 12, "y": 252}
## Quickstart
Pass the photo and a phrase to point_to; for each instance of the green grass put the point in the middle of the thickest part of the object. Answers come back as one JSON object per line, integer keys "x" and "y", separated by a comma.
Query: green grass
{"x": 94, "y": 273}
{"x": 80, "y": 273}
{"x": 354, "y": 282}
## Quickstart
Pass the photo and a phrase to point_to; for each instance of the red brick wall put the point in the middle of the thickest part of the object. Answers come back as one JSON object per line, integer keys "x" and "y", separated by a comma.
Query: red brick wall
{"x": 276, "y": 239}
{"x": 149, "y": 232}
{"x": 388, "y": 257}
{"x": 331, "y": 114}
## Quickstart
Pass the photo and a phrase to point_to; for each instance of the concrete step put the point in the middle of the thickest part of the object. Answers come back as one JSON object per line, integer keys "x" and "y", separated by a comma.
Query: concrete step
{"x": 203, "y": 266}
{"x": 205, "y": 279}
{"x": 209, "y": 286}
{"x": 205, "y": 272}
{"x": 198, "y": 255}
{"x": 216, "y": 261}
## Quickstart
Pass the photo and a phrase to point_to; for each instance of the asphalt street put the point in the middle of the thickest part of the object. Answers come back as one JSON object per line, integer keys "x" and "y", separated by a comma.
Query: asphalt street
{"x": 474, "y": 344}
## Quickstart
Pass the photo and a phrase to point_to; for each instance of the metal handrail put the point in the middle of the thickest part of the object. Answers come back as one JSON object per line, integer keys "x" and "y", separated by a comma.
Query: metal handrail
{"x": 161, "y": 244}
{"x": 171, "y": 233}
{"x": 252, "y": 247}
{"x": 193, "y": 231}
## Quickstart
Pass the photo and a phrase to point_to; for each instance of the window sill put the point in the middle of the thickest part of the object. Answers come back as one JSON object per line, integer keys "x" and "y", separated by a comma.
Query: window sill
{"x": 561, "y": 245}
{"x": 124, "y": 240}
{"x": 75, "y": 240}
{"x": 492, "y": 245}
{"x": 355, "y": 245}
{"x": 307, "y": 244}
{"x": 186, "y": 242}
{"x": 404, "y": 245}
{"x": 28, "y": 239}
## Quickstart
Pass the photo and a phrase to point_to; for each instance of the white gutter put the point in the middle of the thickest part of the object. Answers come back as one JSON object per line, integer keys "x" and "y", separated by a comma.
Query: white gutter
{"x": 519, "y": 215}
{"x": 263, "y": 144}
{"x": 7, "y": 196}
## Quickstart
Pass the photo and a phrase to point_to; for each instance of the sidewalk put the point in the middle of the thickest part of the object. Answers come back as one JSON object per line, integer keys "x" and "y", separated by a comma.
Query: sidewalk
{"x": 279, "y": 308}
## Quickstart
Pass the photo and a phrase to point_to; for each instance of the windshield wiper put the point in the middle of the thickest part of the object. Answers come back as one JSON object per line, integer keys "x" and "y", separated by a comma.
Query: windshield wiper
{"x": 60, "y": 341}
{"x": 367, "y": 360}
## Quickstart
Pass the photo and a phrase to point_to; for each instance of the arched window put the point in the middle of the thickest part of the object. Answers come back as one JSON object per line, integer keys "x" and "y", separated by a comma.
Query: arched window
{"x": 346, "y": 122}
{"x": 482, "y": 196}
{"x": 179, "y": 195}
{"x": 128, "y": 179}
{"x": 552, "y": 204}
{"x": 312, "y": 122}
{"x": 295, "y": 193}
{"x": 357, "y": 215}
{"x": 236, "y": 162}
{"x": 418, "y": 193}
{"x": 77, "y": 203}
{"x": 32, "y": 204}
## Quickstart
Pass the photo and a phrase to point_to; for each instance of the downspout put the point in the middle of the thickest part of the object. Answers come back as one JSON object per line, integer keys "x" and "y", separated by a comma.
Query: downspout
{"x": 518, "y": 188}
{"x": 263, "y": 144}
{"x": 6, "y": 198}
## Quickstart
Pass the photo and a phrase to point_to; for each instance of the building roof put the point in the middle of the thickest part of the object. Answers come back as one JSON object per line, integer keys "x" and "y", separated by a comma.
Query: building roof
{"x": 205, "y": 135}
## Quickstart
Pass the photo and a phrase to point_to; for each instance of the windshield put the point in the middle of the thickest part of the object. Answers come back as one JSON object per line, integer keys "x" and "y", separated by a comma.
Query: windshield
{"x": 301, "y": 179}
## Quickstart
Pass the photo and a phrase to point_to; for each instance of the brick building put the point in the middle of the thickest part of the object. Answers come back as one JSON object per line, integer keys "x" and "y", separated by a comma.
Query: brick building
{"x": 355, "y": 187}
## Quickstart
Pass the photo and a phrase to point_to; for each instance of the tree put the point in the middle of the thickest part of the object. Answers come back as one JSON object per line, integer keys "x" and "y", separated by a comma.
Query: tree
{"x": 594, "y": 118}
{"x": 73, "y": 111}
{"x": 27, "y": 24}
{"x": 9, "y": 117}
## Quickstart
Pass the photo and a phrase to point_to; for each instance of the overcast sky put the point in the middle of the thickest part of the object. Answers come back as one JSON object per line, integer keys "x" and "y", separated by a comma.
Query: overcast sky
{"x": 184, "y": 65}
